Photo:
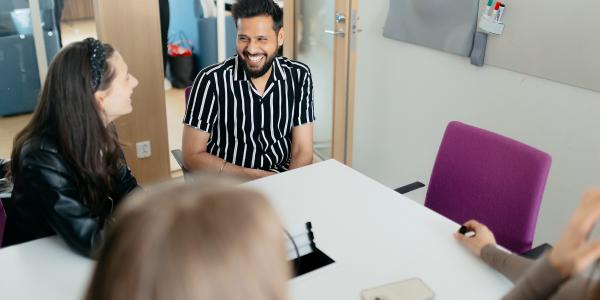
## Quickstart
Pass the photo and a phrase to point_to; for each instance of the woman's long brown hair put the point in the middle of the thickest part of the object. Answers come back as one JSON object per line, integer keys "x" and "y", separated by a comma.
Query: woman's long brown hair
{"x": 67, "y": 110}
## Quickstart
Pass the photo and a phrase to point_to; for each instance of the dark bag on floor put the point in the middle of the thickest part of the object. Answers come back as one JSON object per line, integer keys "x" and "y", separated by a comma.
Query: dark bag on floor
{"x": 181, "y": 62}
{"x": 181, "y": 70}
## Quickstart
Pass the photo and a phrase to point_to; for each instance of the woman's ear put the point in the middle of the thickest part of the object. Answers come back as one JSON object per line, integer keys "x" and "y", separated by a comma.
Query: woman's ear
{"x": 99, "y": 97}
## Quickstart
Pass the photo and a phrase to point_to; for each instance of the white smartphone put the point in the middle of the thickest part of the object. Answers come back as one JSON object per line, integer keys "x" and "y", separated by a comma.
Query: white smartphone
{"x": 410, "y": 289}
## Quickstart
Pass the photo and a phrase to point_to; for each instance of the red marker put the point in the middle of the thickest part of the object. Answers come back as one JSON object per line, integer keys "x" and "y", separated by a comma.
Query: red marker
{"x": 496, "y": 8}
{"x": 500, "y": 13}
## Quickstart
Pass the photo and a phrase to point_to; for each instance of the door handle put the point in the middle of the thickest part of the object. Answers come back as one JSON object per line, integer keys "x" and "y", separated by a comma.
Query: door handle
{"x": 339, "y": 33}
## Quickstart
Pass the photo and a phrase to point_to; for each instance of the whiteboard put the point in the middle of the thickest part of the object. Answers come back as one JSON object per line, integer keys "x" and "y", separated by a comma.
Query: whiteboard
{"x": 551, "y": 39}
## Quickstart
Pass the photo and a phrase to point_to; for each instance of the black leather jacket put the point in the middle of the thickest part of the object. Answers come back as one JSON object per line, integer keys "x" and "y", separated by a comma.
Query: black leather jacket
{"x": 46, "y": 200}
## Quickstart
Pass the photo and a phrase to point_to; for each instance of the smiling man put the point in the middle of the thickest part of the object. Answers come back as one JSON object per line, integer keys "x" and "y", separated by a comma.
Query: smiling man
{"x": 252, "y": 114}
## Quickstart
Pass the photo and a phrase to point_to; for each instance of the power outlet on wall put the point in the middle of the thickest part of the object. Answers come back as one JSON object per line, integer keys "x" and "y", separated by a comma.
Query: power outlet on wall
{"x": 143, "y": 149}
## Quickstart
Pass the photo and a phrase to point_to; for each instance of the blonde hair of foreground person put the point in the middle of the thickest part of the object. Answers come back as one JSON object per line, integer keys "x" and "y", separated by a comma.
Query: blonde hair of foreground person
{"x": 205, "y": 240}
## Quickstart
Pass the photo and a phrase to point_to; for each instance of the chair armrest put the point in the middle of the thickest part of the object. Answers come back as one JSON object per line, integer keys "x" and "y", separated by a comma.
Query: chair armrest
{"x": 537, "y": 252}
{"x": 6, "y": 188}
{"x": 4, "y": 167}
{"x": 409, "y": 187}
{"x": 178, "y": 157}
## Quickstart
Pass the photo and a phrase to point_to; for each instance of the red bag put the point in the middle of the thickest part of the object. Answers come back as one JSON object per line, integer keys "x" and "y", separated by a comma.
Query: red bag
{"x": 182, "y": 46}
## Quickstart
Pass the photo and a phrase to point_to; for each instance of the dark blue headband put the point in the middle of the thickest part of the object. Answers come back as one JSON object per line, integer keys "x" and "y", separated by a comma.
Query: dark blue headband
{"x": 97, "y": 61}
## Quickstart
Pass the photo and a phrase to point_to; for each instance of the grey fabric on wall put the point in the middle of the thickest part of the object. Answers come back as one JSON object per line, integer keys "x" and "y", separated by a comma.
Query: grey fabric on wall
{"x": 479, "y": 45}
{"x": 447, "y": 25}
{"x": 7, "y": 26}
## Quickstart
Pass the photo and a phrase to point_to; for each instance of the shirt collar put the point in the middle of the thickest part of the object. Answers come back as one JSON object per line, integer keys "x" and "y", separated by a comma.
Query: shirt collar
{"x": 239, "y": 73}
{"x": 277, "y": 70}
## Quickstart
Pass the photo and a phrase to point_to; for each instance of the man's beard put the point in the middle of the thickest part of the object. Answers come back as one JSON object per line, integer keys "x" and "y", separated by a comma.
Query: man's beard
{"x": 260, "y": 72}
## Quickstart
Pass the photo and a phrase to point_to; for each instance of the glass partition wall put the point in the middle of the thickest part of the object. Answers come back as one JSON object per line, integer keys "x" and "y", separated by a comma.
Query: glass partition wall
{"x": 315, "y": 48}
{"x": 30, "y": 37}
{"x": 28, "y": 41}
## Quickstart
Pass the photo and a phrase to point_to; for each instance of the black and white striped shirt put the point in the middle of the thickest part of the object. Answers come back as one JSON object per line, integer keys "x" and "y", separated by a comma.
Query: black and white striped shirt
{"x": 246, "y": 129}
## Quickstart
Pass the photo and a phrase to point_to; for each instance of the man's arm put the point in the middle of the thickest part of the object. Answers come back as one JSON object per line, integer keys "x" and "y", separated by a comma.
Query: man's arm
{"x": 302, "y": 132}
{"x": 195, "y": 156}
{"x": 302, "y": 146}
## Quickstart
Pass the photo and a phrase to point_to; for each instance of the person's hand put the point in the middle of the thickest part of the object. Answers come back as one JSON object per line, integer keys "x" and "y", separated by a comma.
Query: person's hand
{"x": 264, "y": 173}
{"x": 573, "y": 253}
{"x": 258, "y": 173}
{"x": 483, "y": 236}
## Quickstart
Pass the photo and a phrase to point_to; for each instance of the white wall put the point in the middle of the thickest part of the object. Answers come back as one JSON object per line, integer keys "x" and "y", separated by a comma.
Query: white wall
{"x": 406, "y": 94}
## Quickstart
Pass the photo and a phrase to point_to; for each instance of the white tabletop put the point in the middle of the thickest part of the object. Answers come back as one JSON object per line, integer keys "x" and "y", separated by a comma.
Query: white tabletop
{"x": 43, "y": 269}
{"x": 374, "y": 234}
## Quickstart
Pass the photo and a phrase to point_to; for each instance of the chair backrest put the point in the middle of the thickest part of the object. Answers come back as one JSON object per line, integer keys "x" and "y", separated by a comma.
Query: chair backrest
{"x": 177, "y": 152}
{"x": 179, "y": 158}
{"x": 188, "y": 90}
{"x": 2, "y": 222}
{"x": 491, "y": 178}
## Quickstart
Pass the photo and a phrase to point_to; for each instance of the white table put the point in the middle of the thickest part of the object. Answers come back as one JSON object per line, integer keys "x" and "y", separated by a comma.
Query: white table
{"x": 374, "y": 234}
{"x": 43, "y": 269}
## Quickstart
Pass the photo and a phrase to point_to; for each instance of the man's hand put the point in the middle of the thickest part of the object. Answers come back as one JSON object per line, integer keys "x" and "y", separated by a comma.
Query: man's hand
{"x": 257, "y": 173}
{"x": 195, "y": 157}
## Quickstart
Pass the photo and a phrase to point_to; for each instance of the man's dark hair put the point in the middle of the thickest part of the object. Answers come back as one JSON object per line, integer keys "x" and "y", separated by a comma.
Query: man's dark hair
{"x": 254, "y": 8}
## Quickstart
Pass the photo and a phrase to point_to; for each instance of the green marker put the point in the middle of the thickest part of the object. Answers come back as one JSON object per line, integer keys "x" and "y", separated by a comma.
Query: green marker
{"x": 488, "y": 7}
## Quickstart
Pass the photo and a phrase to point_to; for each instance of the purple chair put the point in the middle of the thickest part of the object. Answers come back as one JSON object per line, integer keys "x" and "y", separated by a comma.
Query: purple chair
{"x": 4, "y": 166}
{"x": 2, "y": 222}
{"x": 188, "y": 90}
{"x": 491, "y": 178}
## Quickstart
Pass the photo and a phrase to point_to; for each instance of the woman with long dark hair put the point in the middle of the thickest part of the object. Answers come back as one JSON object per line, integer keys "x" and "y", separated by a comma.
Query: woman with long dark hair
{"x": 67, "y": 166}
{"x": 560, "y": 274}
